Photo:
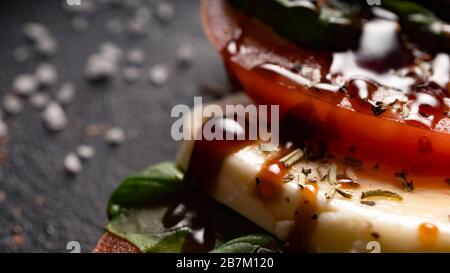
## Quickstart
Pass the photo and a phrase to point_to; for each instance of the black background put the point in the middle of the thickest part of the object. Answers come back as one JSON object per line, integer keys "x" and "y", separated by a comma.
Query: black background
{"x": 74, "y": 208}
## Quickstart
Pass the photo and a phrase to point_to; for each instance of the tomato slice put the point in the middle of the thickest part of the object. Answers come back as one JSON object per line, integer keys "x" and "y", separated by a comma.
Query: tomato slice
{"x": 271, "y": 70}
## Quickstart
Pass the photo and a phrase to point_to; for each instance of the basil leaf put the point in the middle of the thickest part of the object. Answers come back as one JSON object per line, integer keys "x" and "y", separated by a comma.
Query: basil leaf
{"x": 155, "y": 211}
{"x": 155, "y": 181}
{"x": 260, "y": 243}
{"x": 172, "y": 223}
{"x": 168, "y": 242}
{"x": 144, "y": 229}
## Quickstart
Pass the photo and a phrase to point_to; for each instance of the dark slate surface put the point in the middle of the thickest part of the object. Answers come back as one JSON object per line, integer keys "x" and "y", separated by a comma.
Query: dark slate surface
{"x": 43, "y": 205}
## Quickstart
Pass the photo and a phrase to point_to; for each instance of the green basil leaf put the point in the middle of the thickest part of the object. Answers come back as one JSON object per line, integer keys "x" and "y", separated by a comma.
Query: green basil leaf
{"x": 170, "y": 224}
{"x": 260, "y": 243}
{"x": 155, "y": 211}
{"x": 155, "y": 181}
{"x": 168, "y": 242}
{"x": 143, "y": 228}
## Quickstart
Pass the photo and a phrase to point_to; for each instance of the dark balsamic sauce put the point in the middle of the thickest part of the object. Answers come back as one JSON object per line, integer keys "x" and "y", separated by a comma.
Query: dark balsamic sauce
{"x": 305, "y": 221}
{"x": 209, "y": 221}
{"x": 208, "y": 155}
{"x": 271, "y": 175}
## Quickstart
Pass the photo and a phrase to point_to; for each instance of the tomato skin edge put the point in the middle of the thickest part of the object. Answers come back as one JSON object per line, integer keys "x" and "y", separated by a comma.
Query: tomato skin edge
{"x": 374, "y": 140}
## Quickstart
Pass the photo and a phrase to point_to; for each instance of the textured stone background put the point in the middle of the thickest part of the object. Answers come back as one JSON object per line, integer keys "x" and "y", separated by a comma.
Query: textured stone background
{"x": 44, "y": 206}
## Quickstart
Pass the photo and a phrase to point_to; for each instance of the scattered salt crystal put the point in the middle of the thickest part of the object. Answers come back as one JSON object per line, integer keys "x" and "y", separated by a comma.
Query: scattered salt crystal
{"x": 104, "y": 64}
{"x": 79, "y": 24}
{"x": 66, "y": 93}
{"x": 44, "y": 42}
{"x": 54, "y": 117}
{"x": 136, "y": 57}
{"x": 22, "y": 53}
{"x": 165, "y": 11}
{"x": 72, "y": 163}
{"x": 85, "y": 152}
{"x": 115, "y": 136}
{"x": 39, "y": 100}
{"x": 111, "y": 52}
{"x": 185, "y": 55}
{"x": 131, "y": 74}
{"x": 3, "y": 129}
{"x": 35, "y": 31}
{"x": 12, "y": 104}
{"x": 46, "y": 46}
{"x": 86, "y": 7}
{"x": 46, "y": 74}
{"x": 159, "y": 74}
{"x": 25, "y": 84}
{"x": 98, "y": 67}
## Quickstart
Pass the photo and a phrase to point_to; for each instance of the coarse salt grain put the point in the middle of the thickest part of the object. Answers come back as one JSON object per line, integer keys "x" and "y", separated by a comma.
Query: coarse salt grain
{"x": 25, "y": 84}
{"x": 115, "y": 136}
{"x": 46, "y": 74}
{"x": 54, "y": 117}
{"x": 159, "y": 74}
{"x": 12, "y": 104}
{"x": 66, "y": 93}
{"x": 39, "y": 100}
{"x": 98, "y": 67}
{"x": 136, "y": 57}
{"x": 85, "y": 152}
{"x": 165, "y": 11}
{"x": 72, "y": 163}
{"x": 185, "y": 55}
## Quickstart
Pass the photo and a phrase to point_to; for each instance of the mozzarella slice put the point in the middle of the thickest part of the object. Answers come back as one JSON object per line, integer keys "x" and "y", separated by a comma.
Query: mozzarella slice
{"x": 419, "y": 222}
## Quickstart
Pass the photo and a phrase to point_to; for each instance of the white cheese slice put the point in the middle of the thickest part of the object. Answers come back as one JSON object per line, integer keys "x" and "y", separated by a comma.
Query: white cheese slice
{"x": 343, "y": 225}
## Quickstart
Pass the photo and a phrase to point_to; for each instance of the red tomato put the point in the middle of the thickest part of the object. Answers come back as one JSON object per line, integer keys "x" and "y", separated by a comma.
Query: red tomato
{"x": 385, "y": 140}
